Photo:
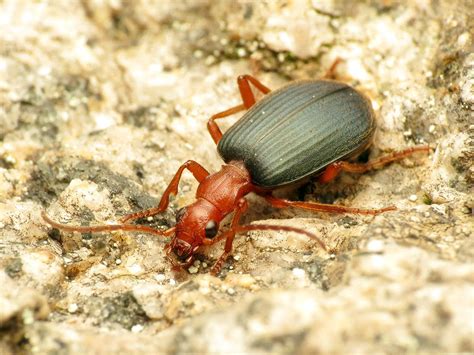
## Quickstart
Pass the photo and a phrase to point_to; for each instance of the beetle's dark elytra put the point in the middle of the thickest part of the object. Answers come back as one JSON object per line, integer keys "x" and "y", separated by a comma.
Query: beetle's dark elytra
{"x": 298, "y": 130}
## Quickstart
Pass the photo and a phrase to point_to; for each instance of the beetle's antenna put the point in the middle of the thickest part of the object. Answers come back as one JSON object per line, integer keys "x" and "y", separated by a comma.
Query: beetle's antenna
{"x": 107, "y": 228}
{"x": 252, "y": 227}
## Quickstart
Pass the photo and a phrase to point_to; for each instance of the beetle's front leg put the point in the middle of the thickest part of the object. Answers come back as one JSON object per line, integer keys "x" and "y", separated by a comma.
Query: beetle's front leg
{"x": 199, "y": 172}
{"x": 242, "y": 205}
{"x": 248, "y": 100}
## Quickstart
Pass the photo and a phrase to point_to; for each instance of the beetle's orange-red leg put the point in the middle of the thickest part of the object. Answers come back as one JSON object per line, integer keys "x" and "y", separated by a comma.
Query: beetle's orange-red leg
{"x": 248, "y": 100}
{"x": 199, "y": 172}
{"x": 322, "y": 207}
{"x": 242, "y": 206}
{"x": 335, "y": 168}
{"x": 212, "y": 126}
{"x": 248, "y": 97}
{"x": 106, "y": 228}
{"x": 331, "y": 71}
{"x": 330, "y": 173}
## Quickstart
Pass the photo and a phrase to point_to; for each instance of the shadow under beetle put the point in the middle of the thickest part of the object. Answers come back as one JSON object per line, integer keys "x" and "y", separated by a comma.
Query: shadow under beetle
{"x": 311, "y": 127}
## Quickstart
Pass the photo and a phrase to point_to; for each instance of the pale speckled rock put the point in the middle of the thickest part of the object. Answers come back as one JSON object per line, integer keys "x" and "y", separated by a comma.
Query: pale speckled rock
{"x": 102, "y": 100}
{"x": 43, "y": 267}
{"x": 20, "y": 304}
{"x": 467, "y": 81}
{"x": 20, "y": 308}
{"x": 297, "y": 29}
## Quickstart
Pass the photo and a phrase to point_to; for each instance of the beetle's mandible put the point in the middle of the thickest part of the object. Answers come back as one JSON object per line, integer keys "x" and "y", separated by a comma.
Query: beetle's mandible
{"x": 312, "y": 127}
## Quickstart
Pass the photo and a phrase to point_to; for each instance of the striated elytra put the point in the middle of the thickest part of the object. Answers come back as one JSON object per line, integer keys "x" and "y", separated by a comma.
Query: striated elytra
{"x": 298, "y": 130}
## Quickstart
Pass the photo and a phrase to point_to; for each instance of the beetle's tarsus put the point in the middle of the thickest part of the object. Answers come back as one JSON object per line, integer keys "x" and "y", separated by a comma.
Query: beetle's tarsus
{"x": 216, "y": 269}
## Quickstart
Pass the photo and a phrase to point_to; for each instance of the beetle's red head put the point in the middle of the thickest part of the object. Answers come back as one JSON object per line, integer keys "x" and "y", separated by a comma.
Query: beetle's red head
{"x": 196, "y": 224}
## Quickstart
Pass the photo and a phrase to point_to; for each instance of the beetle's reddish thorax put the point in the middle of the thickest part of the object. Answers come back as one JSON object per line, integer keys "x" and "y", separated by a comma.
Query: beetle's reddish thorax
{"x": 224, "y": 188}
{"x": 216, "y": 197}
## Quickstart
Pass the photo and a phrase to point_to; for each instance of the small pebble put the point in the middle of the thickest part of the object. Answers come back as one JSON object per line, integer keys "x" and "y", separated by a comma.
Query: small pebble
{"x": 464, "y": 39}
{"x": 209, "y": 60}
{"x": 10, "y": 160}
{"x": 413, "y": 198}
{"x": 440, "y": 209}
{"x": 137, "y": 328}
{"x": 198, "y": 54}
{"x": 118, "y": 261}
{"x": 72, "y": 308}
{"x": 28, "y": 316}
{"x": 467, "y": 210}
{"x": 135, "y": 269}
{"x": 160, "y": 277}
{"x": 241, "y": 52}
{"x": 297, "y": 272}
{"x": 172, "y": 282}
{"x": 193, "y": 270}
{"x": 375, "y": 245}
{"x": 236, "y": 257}
{"x": 230, "y": 291}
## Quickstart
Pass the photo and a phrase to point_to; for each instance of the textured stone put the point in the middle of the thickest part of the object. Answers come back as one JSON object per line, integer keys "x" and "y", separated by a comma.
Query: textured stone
{"x": 102, "y": 100}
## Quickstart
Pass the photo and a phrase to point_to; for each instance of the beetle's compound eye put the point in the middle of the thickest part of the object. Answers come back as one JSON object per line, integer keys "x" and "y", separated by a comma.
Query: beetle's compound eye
{"x": 211, "y": 229}
{"x": 180, "y": 213}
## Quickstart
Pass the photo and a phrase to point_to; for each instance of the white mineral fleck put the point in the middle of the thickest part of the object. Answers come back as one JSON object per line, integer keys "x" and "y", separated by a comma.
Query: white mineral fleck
{"x": 297, "y": 272}
{"x": 72, "y": 308}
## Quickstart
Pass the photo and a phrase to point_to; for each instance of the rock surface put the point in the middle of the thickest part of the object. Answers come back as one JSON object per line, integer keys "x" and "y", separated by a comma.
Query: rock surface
{"x": 101, "y": 102}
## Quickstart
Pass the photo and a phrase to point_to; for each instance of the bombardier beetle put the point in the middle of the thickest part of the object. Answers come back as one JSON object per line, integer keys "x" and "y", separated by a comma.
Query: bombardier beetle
{"x": 310, "y": 127}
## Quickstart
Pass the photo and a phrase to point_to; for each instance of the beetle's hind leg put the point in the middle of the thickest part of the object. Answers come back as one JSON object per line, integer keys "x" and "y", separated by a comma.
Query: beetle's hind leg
{"x": 248, "y": 100}
{"x": 323, "y": 207}
{"x": 334, "y": 169}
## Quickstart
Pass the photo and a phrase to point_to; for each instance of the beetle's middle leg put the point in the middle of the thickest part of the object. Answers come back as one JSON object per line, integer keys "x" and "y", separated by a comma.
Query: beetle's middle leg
{"x": 198, "y": 171}
{"x": 248, "y": 100}
{"x": 334, "y": 169}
